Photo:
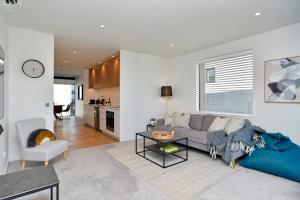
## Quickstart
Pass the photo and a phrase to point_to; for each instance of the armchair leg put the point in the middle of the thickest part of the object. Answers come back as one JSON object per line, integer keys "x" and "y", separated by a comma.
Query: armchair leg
{"x": 65, "y": 155}
{"x": 46, "y": 163}
{"x": 23, "y": 165}
{"x": 233, "y": 164}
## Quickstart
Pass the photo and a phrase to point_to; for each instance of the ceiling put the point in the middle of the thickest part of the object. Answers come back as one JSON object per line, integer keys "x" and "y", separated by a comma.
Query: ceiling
{"x": 149, "y": 26}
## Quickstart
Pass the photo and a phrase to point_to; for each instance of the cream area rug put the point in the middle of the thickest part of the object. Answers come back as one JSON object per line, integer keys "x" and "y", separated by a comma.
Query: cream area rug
{"x": 187, "y": 180}
{"x": 201, "y": 178}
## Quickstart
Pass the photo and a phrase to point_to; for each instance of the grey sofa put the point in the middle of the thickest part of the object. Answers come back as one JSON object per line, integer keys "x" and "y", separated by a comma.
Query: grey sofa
{"x": 197, "y": 134}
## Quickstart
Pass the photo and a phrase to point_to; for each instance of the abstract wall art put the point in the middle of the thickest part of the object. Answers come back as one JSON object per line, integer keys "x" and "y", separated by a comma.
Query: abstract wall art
{"x": 282, "y": 80}
{"x": 1, "y": 83}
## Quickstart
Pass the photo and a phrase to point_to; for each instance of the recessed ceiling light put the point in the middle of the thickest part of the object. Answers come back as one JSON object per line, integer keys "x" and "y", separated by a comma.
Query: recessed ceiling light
{"x": 74, "y": 52}
{"x": 257, "y": 13}
{"x": 172, "y": 45}
{"x": 99, "y": 62}
{"x": 65, "y": 61}
{"x": 113, "y": 56}
{"x": 102, "y": 26}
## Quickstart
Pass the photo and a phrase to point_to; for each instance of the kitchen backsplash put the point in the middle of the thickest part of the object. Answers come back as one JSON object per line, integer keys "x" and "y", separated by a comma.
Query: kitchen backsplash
{"x": 112, "y": 92}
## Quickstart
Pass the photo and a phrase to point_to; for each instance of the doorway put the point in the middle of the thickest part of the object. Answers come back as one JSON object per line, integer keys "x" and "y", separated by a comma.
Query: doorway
{"x": 64, "y": 96}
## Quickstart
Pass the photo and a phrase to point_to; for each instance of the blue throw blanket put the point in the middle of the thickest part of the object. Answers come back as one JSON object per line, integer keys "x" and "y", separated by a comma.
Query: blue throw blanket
{"x": 220, "y": 143}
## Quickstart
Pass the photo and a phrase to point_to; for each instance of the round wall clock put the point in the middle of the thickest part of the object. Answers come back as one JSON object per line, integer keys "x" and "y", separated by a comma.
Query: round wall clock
{"x": 33, "y": 68}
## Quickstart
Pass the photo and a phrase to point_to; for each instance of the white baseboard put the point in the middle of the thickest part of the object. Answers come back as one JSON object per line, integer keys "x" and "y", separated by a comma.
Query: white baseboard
{"x": 4, "y": 171}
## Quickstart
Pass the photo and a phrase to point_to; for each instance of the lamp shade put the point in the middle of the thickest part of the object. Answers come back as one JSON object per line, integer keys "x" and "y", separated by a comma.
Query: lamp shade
{"x": 166, "y": 91}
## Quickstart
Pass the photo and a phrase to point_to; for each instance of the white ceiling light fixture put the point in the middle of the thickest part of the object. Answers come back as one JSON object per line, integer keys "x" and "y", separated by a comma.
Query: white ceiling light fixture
{"x": 257, "y": 13}
{"x": 74, "y": 52}
{"x": 102, "y": 26}
{"x": 12, "y": 5}
{"x": 172, "y": 45}
{"x": 65, "y": 61}
{"x": 113, "y": 56}
{"x": 99, "y": 62}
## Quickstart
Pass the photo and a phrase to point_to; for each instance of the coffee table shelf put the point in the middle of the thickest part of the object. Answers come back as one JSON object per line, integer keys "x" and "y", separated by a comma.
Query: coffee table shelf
{"x": 156, "y": 148}
{"x": 162, "y": 143}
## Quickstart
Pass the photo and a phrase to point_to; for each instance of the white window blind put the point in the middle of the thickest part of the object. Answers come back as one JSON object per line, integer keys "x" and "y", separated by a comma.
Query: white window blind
{"x": 231, "y": 90}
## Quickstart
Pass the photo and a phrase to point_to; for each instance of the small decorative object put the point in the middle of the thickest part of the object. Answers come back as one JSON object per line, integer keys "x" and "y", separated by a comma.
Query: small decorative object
{"x": 152, "y": 121}
{"x": 282, "y": 80}
{"x": 163, "y": 135}
{"x": 33, "y": 68}
{"x": 169, "y": 148}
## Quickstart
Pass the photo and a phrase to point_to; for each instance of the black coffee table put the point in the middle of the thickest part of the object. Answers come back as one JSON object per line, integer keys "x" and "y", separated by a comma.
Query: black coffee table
{"x": 27, "y": 182}
{"x": 156, "y": 148}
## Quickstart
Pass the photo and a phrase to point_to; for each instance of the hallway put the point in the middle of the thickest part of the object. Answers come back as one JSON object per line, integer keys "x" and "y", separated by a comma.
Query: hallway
{"x": 80, "y": 135}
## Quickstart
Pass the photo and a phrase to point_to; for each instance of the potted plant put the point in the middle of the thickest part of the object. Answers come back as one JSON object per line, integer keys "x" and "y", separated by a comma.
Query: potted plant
{"x": 152, "y": 121}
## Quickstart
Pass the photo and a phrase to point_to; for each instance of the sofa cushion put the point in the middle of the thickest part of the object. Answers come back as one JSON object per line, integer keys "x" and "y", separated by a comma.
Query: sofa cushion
{"x": 197, "y": 136}
{"x": 219, "y": 124}
{"x": 180, "y": 131}
{"x": 208, "y": 119}
{"x": 182, "y": 120}
{"x": 169, "y": 118}
{"x": 234, "y": 124}
{"x": 196, "y": 121}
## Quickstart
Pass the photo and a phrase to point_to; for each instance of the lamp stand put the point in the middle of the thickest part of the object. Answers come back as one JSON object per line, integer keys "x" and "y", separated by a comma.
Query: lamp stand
{"x": 167, "y": 112}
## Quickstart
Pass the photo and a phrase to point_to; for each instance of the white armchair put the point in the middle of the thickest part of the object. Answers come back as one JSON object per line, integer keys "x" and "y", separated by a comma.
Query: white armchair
{"x": 43, "y": 152}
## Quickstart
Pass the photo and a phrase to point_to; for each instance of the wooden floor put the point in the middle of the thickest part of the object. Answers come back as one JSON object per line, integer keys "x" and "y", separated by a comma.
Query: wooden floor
{"x": 79, "y": 135}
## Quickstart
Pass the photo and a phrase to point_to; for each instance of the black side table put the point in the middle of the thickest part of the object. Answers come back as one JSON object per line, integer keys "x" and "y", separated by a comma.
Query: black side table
{"x": 150, "y": 127}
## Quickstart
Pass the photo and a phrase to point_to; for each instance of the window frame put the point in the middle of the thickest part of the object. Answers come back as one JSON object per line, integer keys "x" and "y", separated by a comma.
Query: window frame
{"x": 200, "y": 84}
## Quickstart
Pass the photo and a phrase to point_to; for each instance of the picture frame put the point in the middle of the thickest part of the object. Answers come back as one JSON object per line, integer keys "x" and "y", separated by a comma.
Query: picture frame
{"x": 282, "y": 80}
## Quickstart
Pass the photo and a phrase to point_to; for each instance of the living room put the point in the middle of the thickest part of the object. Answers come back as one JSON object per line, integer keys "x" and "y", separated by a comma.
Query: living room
{"x": 167, "y": 47}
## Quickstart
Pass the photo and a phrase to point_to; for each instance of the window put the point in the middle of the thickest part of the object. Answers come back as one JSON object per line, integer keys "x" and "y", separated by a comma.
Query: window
{"x": 210, "y": 75}
{"x": 226, "y": 85}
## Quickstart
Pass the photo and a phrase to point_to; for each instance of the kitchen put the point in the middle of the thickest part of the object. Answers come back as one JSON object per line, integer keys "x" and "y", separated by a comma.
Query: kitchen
{"x": 101, "y": 88}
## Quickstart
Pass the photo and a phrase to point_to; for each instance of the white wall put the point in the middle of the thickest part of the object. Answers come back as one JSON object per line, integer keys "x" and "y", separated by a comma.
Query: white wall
{"x": 154, "y": 73}
{"x": 284, "y": 42}
{"x": 130, "y": 97}
{"x": 4, "y": 121}
{"x": 28, "y": 96}
{"x": 142, "y": 76}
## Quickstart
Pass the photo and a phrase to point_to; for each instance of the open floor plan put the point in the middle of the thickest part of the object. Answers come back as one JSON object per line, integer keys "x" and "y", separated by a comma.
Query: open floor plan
{"x": 142, "y": 100}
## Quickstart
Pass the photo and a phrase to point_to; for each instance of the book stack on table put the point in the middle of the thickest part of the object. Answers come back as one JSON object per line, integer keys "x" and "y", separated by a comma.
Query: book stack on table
{"x": 169, "y": 148}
